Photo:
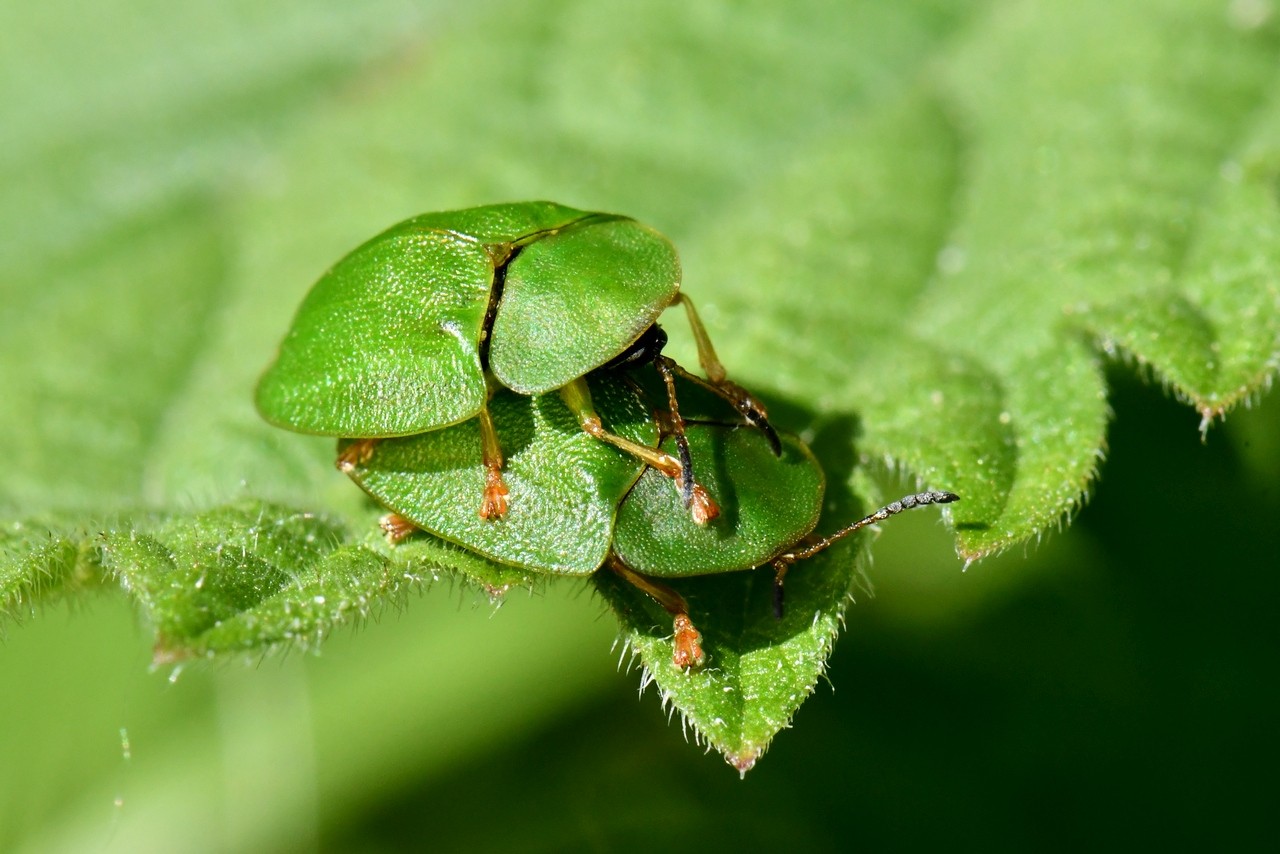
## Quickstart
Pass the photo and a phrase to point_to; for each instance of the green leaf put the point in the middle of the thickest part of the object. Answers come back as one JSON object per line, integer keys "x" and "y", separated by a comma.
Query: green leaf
{"x": 925, "y": 225}
{"x": 242, "y": 578}
{"x": 1042, "y": 192}
{"x": 247, "y": 579}
{"x": 39, "y": 564}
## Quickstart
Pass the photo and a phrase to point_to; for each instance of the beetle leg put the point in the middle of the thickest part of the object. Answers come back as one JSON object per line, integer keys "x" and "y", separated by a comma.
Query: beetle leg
{"x": 576, "y": 395}
{"x": 494, "y": 503}
{"x": 780, "y": 568}
{"x": 717, "y": 382}
{"x": 696, "y": 498}
{"x": 675, "y": 424}
{"x": 686, "y": 640}
{"x": 396, "y": 527}
{"x": 356, "y": 454}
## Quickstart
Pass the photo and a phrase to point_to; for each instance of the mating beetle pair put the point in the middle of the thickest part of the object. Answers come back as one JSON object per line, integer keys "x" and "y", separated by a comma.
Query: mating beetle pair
{"x": 414, "y": 330}
{"x": 491, "y": 352}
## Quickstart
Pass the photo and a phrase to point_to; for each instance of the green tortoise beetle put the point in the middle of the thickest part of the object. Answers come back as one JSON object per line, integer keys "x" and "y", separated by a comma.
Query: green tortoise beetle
{"x": 416, "y": 329}
{"x": 610, "y": 510}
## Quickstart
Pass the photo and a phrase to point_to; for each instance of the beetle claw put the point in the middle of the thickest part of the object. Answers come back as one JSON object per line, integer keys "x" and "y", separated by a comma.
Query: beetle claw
{"x": 494, "y": 504}
{"x": 759, "y": 420}
{"x": 687, "y": 644}
{"x": 701, "y": 505}
{"x": 753, "y": 412}
{"x": 396, "y": 527}
{"x": 355, "y": 455}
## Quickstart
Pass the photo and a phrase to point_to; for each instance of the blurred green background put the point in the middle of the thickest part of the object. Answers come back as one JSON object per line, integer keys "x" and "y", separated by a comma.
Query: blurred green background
{"x": 1108, "y": 686}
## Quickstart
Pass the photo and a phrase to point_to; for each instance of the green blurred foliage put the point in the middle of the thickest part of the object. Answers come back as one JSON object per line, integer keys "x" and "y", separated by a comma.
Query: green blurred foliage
{"x": 987, "y": 198}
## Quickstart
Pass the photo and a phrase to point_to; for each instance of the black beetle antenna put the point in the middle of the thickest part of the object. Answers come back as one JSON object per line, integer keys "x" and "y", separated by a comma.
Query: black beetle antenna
{"x": 784, "y": 561}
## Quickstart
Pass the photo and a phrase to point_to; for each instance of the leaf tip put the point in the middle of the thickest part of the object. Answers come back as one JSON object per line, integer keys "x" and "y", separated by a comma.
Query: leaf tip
{"x": 744, "y": 761}
{"x": 165, "y": 652}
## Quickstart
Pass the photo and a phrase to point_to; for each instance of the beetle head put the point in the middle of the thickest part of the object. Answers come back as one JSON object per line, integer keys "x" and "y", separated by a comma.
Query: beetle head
{"x": 643, "y": 350}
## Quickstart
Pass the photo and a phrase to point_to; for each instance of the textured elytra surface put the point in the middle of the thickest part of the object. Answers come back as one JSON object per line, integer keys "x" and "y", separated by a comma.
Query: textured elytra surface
{"x": 942, "y": 243}
{"x": 766, "y": 503}
{"x": 576, "y": 299}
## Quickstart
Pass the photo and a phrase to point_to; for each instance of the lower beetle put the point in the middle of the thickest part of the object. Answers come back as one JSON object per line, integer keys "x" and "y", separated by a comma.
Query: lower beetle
{"x": 610, "y": 510}
{"x": 415, "y": 331}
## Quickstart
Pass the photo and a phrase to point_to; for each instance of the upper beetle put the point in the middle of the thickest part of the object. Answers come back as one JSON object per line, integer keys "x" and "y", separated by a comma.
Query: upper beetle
{"x": 413, "y": 331}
